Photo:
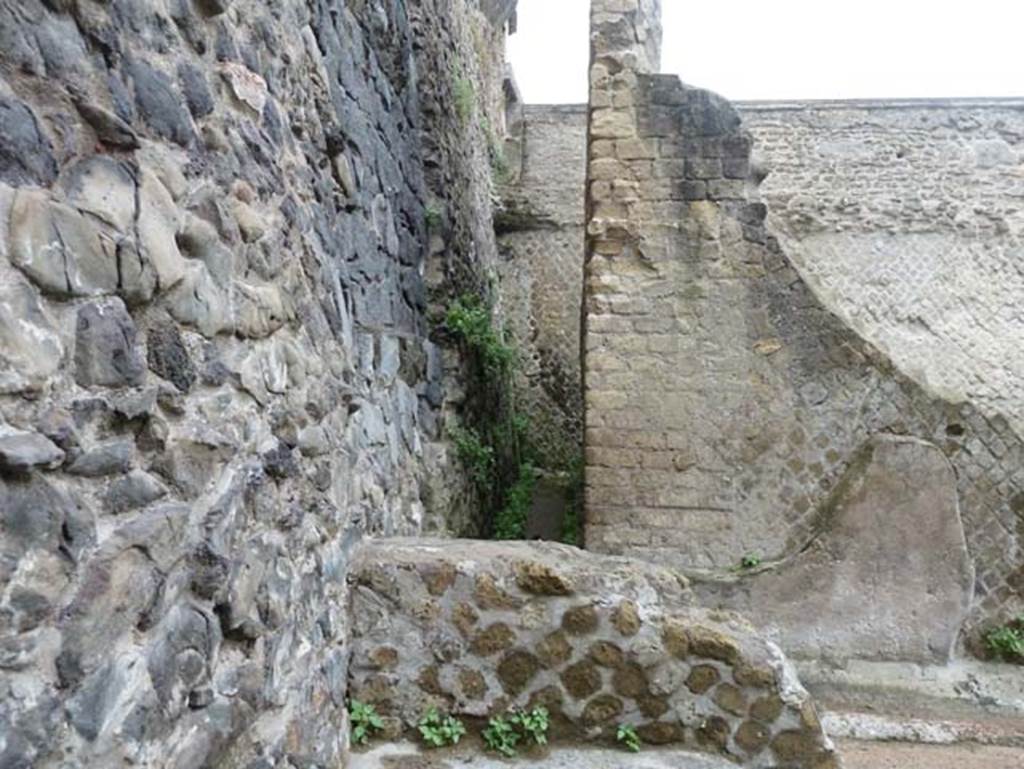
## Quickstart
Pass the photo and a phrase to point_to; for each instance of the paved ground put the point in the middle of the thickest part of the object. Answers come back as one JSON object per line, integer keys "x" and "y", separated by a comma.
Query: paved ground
{"x": 406, "y": 756}
{"x": 895, "y": 755}
{"x": 856, "y": 755}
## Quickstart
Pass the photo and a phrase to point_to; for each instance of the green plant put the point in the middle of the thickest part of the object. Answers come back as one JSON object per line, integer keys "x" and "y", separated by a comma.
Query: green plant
{"x": 750, "y": 561}
{"x": 626, "y": 735}
{"x": 574, "y": 501}
{"x": 433, "y": 217}
{"x": 533, "y": 724}
{"x": 1007, "y": 641}
{"x": 501, "y": 736}
{"x": 475, "y": 455}
{"x": 510, "y": 523}
{"x": 469, "y": 319}
{"x": 501, "y": 172}
{"x": 365, "y": 721}
{"x": 464, "y": 96}
{"x": 438, "y": 731}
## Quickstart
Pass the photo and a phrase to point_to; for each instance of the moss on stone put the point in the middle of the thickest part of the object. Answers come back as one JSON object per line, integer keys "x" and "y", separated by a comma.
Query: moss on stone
{"x": 602, "y": 709}
{"x": 581, "y": 680}
{"x": 714, "y": 733}
{"x": 472, "y": 683}
{"x": 747, "y": 674}
{"x": 713, "y": 644}
{"x": 465, "y": 617}
{"x": 702, "y": 678}
{"x": 606, "y": 654}
{"x": 752, "y": 737}
{"x": 730, "y": 699}
{"x": 767, "y": 709}
{"x": 661, "y": 732}
{"x": 554, "y": 650}
{"x": 516, "y": 670}
{"x": 489, "y": 595}
{"x": 384, "y": 657}
{"x": 630, "y": 681}
{"x": 540, "y": 579}
{"x": 652, "y": 706}
{"x": 580, "y": 620}
{"x": 438, "y": 577}
{"x": 626, "y": 618}
{"x": 493, "y": 639}
{"x": 676, "y": 639}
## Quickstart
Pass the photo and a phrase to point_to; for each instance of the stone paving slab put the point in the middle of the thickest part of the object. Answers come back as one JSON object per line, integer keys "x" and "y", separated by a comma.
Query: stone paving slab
{"x": 899, "y": 755}
{"x": 410, "y": 756}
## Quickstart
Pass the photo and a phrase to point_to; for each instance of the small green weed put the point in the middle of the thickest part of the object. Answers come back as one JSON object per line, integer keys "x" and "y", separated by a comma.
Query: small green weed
{"x": 510, "y": 523}
{"x": 365, "y": 721}
{"x": 574, "y": 506}
{"x": 533, "y": 724}
{"x": 501, "y": 736}
{"x": 1007, "y": 641}
{"x": 433, "y": 217}
{"x": 626, "y": 736}
{"x": 438, "y": 731}
{"x": 470, "y": 320}
{"x": 475, "y": 455}
{"x": 464, "y": 96}
{"x": 750, "y": 561}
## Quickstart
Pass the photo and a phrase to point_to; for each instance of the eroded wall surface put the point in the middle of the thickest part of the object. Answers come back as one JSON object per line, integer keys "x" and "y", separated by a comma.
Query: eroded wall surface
{"x": 540, "y": 236}
{"x": 216, "y": 370}
{"x": 724, "y": 400}
{"x": 906, "y": 219}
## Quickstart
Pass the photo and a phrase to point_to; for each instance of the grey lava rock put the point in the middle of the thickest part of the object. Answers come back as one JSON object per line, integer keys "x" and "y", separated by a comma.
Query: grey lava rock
{"x": 280, "y": 462}
{"x": 24, "y": 451}
{"x": 106, "y": 459}
{"x": 109, "y": 128}
{"x": 133, "y": 491}
{"x": 106, "y": 353}
{"x": 158, "y": 104}
{"x": 196, "y": 91}
{"x": 168, "y": 358}
{"x": 26, "y": 155}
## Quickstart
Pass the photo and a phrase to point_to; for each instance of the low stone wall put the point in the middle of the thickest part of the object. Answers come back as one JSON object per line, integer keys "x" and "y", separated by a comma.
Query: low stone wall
{"x": 477, "y": 628}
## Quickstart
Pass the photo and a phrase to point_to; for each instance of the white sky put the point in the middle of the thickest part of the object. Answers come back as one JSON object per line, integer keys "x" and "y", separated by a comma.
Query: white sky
{"x": 794, "y": 49}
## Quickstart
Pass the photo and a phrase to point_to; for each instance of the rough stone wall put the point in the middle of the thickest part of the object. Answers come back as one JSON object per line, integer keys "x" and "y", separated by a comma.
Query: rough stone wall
{"x": 215, "y": 368}
{"x": 476, "y": 629}
{"x": 541, "y": 242}
{"x": 723, "y": 400}
{"x": 906, "y": 220}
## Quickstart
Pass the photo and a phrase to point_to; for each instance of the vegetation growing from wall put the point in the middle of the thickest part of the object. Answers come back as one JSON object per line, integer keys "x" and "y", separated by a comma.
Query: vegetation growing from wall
{"x": 1006, "y": 642}
{"x": 439, "y": 731}
{"x": 464, "y": 95}
{"x": 490, "y": 442}
{"x": 365, "y": 722}
{"x": 627, "y": 736}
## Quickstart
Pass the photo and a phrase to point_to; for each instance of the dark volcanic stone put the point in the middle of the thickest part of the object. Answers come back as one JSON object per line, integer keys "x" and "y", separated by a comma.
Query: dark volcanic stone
{"x": 280, "y": 462}
{"x": 21, "y": 452}
{"x": 196, "y": 90}
{"x": 106, "y": 459}
{"x": 135, "y": 490}
{"x": 109, "y": 128}
{"x": 168, "y": 357}
{"x": 26, "y": 156}
{"x": 105, "y": 350}
{"x": 34, "y": 514}
{"x": 160, "y": 107}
